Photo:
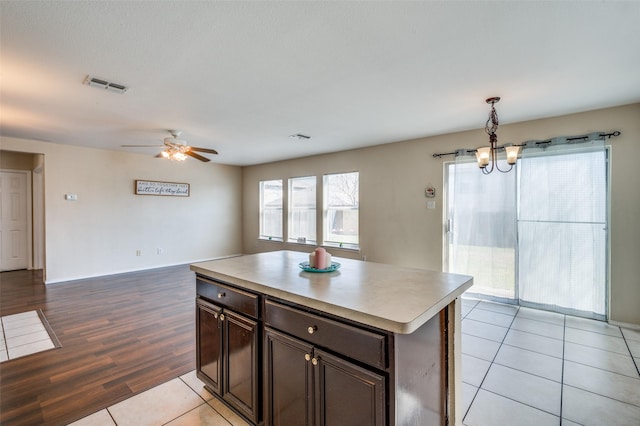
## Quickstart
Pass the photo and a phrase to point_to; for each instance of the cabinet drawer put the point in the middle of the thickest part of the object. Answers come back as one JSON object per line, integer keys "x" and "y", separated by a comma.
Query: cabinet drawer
{"x": 223, "y": 295}
{"x": 354, "y": 342}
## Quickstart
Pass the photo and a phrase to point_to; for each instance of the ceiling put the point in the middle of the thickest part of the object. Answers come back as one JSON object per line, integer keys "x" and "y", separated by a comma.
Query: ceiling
{"x": 241, "y": 77}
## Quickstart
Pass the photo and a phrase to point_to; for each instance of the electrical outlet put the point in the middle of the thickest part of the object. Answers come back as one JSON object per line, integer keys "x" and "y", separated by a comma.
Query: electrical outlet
{"x": 159, "y": 250}
{"x": 138, "y": 252}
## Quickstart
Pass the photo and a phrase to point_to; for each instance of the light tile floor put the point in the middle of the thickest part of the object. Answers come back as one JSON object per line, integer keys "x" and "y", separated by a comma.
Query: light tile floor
{"x": 520, "y": 366}
{"x": 23, "y": 334}
{"x": 181, "y": 401}
{"x": 523, "y": 366}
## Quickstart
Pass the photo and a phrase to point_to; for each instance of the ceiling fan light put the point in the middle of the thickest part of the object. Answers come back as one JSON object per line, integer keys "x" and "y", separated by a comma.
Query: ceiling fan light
{"x": 165, "y": 154}
{"x": 179, "y": 156}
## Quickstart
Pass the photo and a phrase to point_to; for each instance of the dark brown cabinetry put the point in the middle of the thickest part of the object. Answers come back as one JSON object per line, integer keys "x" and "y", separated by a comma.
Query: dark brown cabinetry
{"x": 306, "y": 384}
{"x": 277, "y": 362}
{"x": 209, "y": 345}
{"x": 228, "y": 346}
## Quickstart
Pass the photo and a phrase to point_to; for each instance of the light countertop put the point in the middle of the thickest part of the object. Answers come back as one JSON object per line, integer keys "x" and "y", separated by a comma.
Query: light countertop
{"x": 393, "y": 298}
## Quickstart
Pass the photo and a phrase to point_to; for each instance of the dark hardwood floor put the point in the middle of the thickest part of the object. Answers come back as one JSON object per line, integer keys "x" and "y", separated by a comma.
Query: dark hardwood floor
{"x": 120, "y": 335}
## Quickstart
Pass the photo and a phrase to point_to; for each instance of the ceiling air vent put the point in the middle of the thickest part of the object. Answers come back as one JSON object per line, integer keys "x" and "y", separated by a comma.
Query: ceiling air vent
{"x": 299, "y": 136}
{"x": 104, "y": 84}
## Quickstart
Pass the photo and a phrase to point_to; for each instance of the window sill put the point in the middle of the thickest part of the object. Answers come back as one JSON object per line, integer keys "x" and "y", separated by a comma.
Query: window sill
{"x": 271, "y": 239}
{"x": 306, "y": 244}
{"x": 347, "y": 247}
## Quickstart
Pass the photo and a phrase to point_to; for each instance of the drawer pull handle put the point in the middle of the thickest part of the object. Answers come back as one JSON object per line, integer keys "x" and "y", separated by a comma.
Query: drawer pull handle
{"x": 221, "y": 317}
{"x": 221, "y": 295}
{"x": 314, "y": 361}
{"x": 312, "y": 329}
{"x": 307, "y": 357}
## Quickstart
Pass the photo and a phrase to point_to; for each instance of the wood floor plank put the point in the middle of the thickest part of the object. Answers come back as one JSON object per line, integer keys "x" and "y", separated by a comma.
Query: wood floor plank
{"x": 120, "y": 335}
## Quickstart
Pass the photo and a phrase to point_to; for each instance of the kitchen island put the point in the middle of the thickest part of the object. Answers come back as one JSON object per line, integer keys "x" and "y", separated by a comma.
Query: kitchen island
{"x": 370, "y": 343}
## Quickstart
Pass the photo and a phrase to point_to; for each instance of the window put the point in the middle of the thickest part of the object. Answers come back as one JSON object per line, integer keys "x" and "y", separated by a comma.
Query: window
{"x": 271, "y": 210}
{"x": 302, "y": 210}
{"x": 341, "y": 209}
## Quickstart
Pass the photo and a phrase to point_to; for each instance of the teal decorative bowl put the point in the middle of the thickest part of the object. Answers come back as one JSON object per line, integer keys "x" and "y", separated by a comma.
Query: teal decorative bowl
{"x": 306, "y": 267}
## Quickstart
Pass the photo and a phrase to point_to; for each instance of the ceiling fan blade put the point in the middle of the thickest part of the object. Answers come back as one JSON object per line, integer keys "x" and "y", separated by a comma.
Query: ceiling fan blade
{"x": 207, "y": 150}
{"x": 196, "y": 156}
{"x": 140, "y": 146}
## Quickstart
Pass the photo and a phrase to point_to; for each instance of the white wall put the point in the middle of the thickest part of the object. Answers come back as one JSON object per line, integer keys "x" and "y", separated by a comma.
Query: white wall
{"x": 396, "y": 227}
{"x": 100, "y": 233}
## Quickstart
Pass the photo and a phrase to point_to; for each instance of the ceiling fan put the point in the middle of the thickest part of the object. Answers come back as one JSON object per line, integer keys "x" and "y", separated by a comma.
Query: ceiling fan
{"x": 177, "y": 149}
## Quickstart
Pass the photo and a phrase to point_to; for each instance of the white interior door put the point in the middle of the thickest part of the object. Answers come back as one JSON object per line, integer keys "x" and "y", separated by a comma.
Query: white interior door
{"x": 14, "y": 227}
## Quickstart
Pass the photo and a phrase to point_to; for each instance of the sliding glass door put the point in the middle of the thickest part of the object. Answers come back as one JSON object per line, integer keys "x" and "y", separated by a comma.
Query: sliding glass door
{"x": 536, "y": 236}
{"x": 562, "y": 232}
{"x": 481, "y": 226}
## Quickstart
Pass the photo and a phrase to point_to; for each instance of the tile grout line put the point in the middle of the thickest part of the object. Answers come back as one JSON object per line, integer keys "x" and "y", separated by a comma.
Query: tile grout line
{"x": 603, "y": 349}
{"x": 630, "y": 353}
{"x": 4, "y": 338}
{"x": 491, "y": 363}
{"x": 521, "y": 403}
{"x": 478, "y": 388}
{"x": 110, "y": 415}
{"x": 532, "y": 350}
{"x": 527, "y": 372}
{"x": 205, "y": 402}
{"x": 603, "y": 396}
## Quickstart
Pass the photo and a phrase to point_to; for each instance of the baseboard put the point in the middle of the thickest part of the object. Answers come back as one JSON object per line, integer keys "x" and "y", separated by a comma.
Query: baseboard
{"x": 625, "y": 325}
{"x": 126, "y": 271}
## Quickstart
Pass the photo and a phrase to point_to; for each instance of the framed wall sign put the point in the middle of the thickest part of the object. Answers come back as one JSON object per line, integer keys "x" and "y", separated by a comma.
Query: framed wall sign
{"x": 172, "y": 189}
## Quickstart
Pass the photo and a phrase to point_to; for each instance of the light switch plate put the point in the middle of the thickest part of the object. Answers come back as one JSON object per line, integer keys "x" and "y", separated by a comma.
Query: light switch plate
{"x": 431, "y": 205}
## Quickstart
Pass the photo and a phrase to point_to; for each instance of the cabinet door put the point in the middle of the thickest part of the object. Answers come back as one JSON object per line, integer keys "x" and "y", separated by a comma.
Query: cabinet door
{"x": 288, "y": 380}
{"x": 241, "y": 364}
{"x": 209, "y": 345}
{"x": 347, "y": 394}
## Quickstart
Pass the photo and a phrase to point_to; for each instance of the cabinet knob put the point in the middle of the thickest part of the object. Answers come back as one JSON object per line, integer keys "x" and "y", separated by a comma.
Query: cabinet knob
{"x": 314, "y": 361}
{"x": 221, "y": 295}
{"x": 307, "y": 357}
{"x": 215, "y": 315}
{"x": 312, "y": 329}
{"x": 221, "y": 317}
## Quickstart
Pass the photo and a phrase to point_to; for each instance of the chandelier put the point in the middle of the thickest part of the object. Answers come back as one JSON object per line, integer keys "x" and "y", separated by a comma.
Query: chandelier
{"x": 489, "y": 154}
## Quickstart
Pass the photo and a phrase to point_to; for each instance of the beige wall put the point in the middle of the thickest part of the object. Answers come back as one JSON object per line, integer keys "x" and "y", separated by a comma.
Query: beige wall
{"x": 397, "y": 228}
{"x": 100, "y": 233}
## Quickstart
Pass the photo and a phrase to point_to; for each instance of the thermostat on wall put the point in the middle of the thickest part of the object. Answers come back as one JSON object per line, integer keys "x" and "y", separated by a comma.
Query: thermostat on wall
{"x": 430, "y": 191}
